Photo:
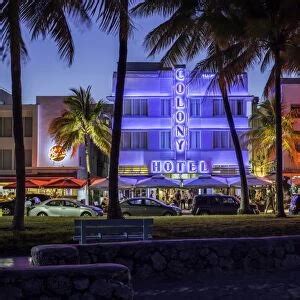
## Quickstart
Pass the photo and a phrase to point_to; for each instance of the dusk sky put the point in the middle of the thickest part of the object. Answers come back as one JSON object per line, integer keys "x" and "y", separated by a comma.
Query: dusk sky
{"x": 95, "y": 60}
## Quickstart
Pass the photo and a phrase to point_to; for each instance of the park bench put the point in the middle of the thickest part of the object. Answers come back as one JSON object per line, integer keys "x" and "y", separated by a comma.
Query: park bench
{"x": 112, "y": 230}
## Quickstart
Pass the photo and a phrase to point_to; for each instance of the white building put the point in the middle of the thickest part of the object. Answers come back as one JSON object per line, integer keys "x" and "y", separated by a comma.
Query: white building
{"x": 174, "y": 126}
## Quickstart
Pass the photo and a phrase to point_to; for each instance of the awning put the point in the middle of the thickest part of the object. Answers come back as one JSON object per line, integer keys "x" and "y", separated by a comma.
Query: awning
{"x": 158, "y": 181}
{"x": 123, "y": 183}
{"x": 29, "y": 183}
{"x": 251, "y": 180}
{"x": 65, "y": 183}
{"x": 205, "y": 182}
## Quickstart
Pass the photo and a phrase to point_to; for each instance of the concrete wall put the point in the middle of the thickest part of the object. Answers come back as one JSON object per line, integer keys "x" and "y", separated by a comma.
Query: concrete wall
{"x": 99, "y": 281}
{"x": 177, "y": 258}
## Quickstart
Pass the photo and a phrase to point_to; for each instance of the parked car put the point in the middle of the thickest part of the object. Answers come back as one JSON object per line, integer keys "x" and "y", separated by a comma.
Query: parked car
{"x": 8, "y": 206}
{"x": 217, "y": 205}
{"x": 65, "y": 208}
{"x": 295, "y": 205}
{"x": 142, "y": 206}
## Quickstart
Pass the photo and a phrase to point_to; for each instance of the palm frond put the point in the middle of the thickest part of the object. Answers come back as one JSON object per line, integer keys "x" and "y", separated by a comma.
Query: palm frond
{"x": 50, "y": 17}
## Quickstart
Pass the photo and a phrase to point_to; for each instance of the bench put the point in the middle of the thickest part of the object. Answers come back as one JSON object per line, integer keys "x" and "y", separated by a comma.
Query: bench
{"x": 113, "y": 230}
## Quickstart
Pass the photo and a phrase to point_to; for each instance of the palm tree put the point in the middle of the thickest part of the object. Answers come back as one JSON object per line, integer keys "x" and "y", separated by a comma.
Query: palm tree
{"x": 262, "y": 31}
{"x": 263, "y": 134}
{"x": 271, "y": 31}
{"x": 114, "y": 18}
{"x": 12, "y": 43}
{"x": 188, "y": 30}
{"x": 42, "y": 18}
{"x": 82, "y": 122}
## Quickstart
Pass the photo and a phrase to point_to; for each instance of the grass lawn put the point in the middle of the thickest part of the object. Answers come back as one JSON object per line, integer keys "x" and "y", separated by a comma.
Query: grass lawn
{"x": 40, "y": 230}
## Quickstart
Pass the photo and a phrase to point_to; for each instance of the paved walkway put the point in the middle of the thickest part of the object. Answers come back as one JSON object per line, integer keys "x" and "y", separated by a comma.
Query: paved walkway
{"x": 264, "y": 285}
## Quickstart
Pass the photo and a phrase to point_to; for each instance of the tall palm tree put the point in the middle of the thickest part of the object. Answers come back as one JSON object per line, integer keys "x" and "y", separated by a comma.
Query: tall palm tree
{"x": 81, "y": 122}
{"x": 113, "y": 16}
{"x": 43, "y": 18}
{"x": 262, "y": 31}
{"x": 12, "y": 43}
{"x": 263, "y": 134}
{"x": 270, "y": 29}
{"x": 190, "y": 27}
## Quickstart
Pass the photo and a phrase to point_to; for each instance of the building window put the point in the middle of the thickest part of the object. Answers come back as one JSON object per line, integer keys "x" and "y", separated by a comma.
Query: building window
{"x": 6, "y": 159}
{"x": 239, "y": 108}
{"x": 295, "y": 110}
{"x": 5, "y": 127}
{"x": 195, "y": 107}
{"x": 223, "y": 140}
{"x": 27, "y": 121}
{"x": 218, "y": 107}
{"x": 28, "y": 158}
{"x": 165, "y": 107}
{"x": 134, "y": 140}
{"x": 236, "y": 106}
{"x": 135, "y": 107}
{"x": 195, "y": 139}
{"x": 165, "y": 140}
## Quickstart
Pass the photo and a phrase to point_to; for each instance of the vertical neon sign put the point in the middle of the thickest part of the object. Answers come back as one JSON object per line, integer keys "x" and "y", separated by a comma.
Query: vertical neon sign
{"x": 180, "y": 115}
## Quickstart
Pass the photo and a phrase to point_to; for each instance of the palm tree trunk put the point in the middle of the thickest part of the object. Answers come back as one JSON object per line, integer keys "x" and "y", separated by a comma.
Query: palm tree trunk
{"x": 114, "y": 210}
{"x": 244, "y": 206}
{"x": 278, "y": 130}
{"x": 15, "y": 55}
{"x": 88, "y": 165}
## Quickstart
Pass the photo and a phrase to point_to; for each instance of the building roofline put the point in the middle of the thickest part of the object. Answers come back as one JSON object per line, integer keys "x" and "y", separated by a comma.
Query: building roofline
{"x": 295, "y": 80}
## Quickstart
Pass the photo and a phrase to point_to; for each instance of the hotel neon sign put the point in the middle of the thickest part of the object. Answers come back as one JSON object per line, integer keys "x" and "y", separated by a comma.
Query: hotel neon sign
{"x": 180, "y": 135}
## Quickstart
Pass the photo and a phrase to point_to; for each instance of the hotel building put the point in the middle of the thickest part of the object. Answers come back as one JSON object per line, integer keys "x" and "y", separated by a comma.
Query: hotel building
{"x": 176, "y": 126}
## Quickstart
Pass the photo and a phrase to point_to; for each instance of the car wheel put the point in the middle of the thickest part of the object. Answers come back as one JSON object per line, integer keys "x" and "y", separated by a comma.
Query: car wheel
{"x": 168, "y": 214}
{"x": 126, "y": 215}
{"x": 86, "y": 214}
{"x": 42, "y": 214}
{"x": 6, "y": 211}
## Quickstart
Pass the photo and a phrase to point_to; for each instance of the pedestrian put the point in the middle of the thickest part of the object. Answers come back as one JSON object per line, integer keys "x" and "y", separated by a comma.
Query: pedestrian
{"x": 175, "y": 202}
{"x": 152, "y": 194}
{"x": 270, "y": 195}
{"x": 178, "y": 198}
{"x": 36, "y": 200}
{"x": 28, "y": 205}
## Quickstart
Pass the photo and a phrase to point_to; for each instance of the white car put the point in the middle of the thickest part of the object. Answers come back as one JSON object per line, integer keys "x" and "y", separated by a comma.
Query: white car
{"x": 64, "y": 208}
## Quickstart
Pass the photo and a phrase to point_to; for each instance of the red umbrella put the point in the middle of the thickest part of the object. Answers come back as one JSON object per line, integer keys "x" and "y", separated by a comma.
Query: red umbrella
{"x": 65, "y": 183}
{"x": 29, "y": 184}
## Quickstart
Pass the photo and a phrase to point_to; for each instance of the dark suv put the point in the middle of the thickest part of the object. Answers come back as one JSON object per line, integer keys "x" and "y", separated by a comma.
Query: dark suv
{"x": 217, "y": 205}
{"x": 295, "y": 205}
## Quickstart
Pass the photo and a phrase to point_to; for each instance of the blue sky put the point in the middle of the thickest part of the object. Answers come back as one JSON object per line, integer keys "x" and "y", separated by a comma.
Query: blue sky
{"x": 95, "y": 60}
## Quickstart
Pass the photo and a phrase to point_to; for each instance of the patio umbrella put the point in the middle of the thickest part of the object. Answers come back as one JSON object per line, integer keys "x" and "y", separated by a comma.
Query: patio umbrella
{"x": 205, "y": 182}
{"x": 29, "y": 184}
{"x": 157, "y": 181}
{"x": 251, "y": 180}
{"x": 65, "y": 183}
{"x": 123, "y": 182}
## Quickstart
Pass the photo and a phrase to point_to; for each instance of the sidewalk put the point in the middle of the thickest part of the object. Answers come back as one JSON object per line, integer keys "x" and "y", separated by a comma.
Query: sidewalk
{"x": 261, "y": 285}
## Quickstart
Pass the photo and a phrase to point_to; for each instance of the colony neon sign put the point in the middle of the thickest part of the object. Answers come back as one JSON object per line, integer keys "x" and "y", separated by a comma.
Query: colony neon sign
{"x": 179, "y": 135}
{"x": 180, "y": 121}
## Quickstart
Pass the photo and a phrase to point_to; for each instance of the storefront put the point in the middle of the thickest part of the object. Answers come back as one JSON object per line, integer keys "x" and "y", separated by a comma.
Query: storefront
{"x": 44, "y": 160}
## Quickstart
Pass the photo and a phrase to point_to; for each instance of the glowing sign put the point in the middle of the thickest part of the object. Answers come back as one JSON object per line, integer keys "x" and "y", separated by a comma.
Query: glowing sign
{"x": 180, "y": 131}
{"x": 57, "y": 153}
{"x": 180, "y": 167}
